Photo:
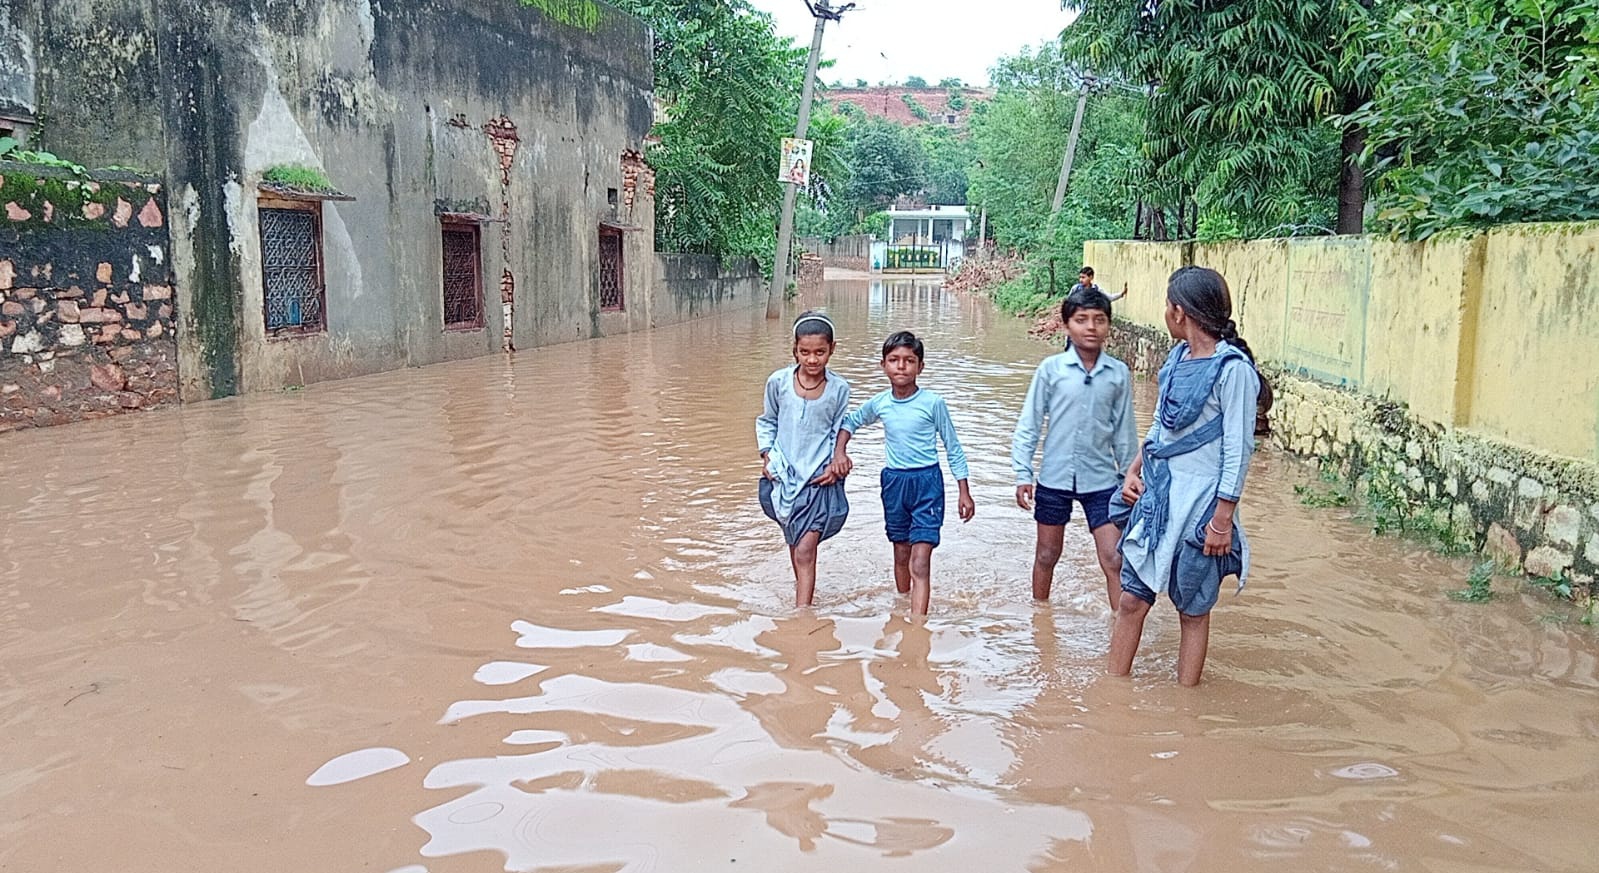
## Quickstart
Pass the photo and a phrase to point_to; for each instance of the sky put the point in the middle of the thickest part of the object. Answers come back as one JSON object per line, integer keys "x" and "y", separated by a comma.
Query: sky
{"x": 889, "y": 40}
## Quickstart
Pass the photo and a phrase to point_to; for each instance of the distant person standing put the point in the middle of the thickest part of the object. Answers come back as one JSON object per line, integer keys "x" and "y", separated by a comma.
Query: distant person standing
{"x": 1085, "y": 281}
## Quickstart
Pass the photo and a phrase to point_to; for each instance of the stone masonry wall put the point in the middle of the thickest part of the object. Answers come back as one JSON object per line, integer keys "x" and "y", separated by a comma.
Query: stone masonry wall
{"x": 86, "y": 303}
{"x": 1530, "y": 511}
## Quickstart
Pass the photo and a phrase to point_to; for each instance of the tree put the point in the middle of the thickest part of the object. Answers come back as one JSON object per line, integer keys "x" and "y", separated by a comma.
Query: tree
{"x": 1243, "y": 92}
{"x": 915, "y": 82}
{"x": 1484, "y": 112}
{"x": 949, "y": 155}
{"x": 951, "y": 82}
{"x": 729, "y": 88}
{"x": 1017, "y": 140}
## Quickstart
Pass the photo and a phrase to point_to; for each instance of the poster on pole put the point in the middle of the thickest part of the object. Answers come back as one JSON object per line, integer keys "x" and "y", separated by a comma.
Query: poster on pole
{"x": 796, "y": 165}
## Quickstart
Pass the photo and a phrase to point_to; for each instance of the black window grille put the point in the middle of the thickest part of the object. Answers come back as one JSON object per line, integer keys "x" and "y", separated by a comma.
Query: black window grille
{"x": 291, "y": 270}
{"x": 463, "y": 276}
{"x": 611, "y": 298}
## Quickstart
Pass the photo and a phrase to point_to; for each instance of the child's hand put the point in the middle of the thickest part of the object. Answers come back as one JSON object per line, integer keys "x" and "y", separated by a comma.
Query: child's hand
{"x": 1218, "y": 543}
{"x": 1024, "y": 496}
{"x": 840, "y": 467}
{"x": 1132, "y": 489}
{"x": 966, "y": 507}
{"x": 766, "y": 468}
{"x": 827, "y": 477}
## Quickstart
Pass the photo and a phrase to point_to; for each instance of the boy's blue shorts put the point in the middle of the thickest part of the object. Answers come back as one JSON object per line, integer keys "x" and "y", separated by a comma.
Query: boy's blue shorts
{"x": 1053, "y": 506}
{"x": 913, "y": 504}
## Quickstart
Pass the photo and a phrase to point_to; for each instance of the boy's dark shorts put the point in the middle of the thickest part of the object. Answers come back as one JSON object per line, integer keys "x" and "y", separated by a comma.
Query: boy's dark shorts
{"x": 1053, "y": 506}
{"x": 913, "y": 504}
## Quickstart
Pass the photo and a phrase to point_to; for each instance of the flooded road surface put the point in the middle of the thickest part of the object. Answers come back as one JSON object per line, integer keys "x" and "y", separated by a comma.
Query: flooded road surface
{"x": 526, "y": 615}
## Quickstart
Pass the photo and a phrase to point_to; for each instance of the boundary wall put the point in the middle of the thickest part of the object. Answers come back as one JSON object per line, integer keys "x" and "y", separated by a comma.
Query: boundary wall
{"x": 1455, "y": 381}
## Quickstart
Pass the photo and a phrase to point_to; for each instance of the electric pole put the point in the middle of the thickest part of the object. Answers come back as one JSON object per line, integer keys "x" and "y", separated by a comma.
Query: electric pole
{"x": 1071, "y": 146}
{"x": 823, "y": 13}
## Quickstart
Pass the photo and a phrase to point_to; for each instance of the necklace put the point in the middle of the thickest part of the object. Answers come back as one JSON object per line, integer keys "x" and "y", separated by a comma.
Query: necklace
{"x": 800, "y": 380}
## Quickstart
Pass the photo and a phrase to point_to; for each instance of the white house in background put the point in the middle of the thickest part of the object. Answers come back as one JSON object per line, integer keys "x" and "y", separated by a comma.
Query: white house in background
{"x": 932, "y": 238}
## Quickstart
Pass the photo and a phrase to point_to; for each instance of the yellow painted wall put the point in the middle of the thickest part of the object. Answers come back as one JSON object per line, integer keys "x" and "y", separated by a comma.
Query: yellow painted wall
{"x": 1535, "y": 367}
{"x": 1140, "y": 267}
{"x": 1497, "y": 332}
{"x": 1415, "y": 324}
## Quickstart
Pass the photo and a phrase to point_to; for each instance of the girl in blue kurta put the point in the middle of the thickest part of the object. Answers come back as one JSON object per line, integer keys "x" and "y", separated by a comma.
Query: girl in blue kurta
{"x": 1183, "y": 535}
{"x": 796, "y": 431}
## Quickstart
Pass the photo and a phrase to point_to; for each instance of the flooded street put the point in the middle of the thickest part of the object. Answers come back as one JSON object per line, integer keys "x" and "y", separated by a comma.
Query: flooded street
{"x": 526, "y": 614}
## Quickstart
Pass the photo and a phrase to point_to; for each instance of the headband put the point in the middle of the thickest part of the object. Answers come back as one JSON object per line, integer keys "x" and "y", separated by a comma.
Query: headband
{"x": 822, "y": 318}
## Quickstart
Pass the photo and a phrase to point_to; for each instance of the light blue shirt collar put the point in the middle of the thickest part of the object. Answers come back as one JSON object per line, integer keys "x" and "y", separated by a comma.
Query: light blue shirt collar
{"x": 1074, "y": 360}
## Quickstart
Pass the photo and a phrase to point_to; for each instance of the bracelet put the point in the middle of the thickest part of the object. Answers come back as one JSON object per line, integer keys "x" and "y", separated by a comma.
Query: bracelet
{"x": 1211, "y": 527}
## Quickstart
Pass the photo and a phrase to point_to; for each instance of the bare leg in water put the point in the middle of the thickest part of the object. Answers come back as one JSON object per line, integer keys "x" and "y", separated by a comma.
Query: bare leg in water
{"x": 913, "y": 571}
{"x": 1125, "y": 636}
{"x": 802, "y": 556}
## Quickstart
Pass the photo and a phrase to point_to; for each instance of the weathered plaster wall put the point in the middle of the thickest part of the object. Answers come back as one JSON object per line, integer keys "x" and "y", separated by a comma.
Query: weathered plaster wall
{"x": 529, "y": 117}
{"x": 845, "y": 252}
{"x": 694, "y": 286}
{"x": 86, "y": 309}
{"x": 18, "y": 66}
{"x": 1454, "y": 380}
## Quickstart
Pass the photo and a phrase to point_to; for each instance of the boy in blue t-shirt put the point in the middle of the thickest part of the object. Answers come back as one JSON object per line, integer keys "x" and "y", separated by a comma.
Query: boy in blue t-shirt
{"x": 914, "y": 421}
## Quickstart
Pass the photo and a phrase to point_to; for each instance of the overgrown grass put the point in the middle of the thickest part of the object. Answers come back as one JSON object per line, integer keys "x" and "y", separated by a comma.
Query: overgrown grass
{"x": 1479, "y": 585}
{"x": 1330, "y": 494}
{"x": 1393, "y": 510}
{"x": 297, "y": 176}
{"x": 1027, "y": 294}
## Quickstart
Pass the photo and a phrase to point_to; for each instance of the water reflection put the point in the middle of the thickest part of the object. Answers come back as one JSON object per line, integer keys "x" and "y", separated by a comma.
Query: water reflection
{"x": 546, "y": 583}
{"x": 734, "y": 761}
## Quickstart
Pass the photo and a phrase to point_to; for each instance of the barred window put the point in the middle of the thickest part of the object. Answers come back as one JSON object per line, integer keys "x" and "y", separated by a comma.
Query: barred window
{"x": 611, "y": 299}
{"x": 463, "y": 276}
{"x": 291, "y": 268}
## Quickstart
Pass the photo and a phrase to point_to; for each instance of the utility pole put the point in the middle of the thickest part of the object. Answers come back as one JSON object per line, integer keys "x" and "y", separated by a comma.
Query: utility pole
{"x": 823, "y": 13}
{"x": 1071, "y": 146}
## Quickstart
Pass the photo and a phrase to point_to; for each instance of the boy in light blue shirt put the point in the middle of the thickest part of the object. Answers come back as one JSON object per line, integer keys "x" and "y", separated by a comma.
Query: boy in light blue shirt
{"x": 914, "y": 422}
{"x": 1086, "y": 395}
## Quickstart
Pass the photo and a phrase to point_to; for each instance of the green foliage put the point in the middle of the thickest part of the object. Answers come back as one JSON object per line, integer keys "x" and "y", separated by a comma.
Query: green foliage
{"x": 1394, "y": 510}
{"x": 1322, "y": 498}
{"x": 1025, "y": 295}
{"x": 949, "y": 157}
{"x": 915, "y": 82}
{"x": 1484, "y": 112}
{"x": 1239, "y": 120}
{"x": 1479, "y": 585}
{"x": 915, "y": 106}
{"x": 876, "y": 161}
{"x": 11, "y": 150}
{"x": 581, "y": 14}
{"x": 956, "y": 100}
{"x": 1559, "y": 584}
{"x": 951, "y": 82}
{"x": 729, "y": 88}
{"x": 876, "y": 224}
{"x": 297, "y": 176}
{"x": 1218, "y": 227}
{"x": 1018, "y": 139}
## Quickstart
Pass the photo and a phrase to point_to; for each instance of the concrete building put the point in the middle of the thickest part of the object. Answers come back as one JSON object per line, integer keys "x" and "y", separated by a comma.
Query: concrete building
{"x": 354, "y": 186}
{"x": 933, "y": 238}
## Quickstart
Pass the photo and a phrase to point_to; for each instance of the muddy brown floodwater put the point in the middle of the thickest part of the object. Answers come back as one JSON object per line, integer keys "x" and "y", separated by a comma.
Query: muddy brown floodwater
{"x": 525, "y": 614}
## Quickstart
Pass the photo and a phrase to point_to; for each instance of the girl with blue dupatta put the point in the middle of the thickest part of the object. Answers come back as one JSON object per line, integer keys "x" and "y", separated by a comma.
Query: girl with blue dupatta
{"x": 1183, "y": 534}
